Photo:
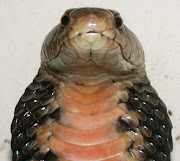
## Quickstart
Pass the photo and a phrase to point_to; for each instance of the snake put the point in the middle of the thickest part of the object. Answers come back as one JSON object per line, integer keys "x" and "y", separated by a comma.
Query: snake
{"x": 91, "y": 99}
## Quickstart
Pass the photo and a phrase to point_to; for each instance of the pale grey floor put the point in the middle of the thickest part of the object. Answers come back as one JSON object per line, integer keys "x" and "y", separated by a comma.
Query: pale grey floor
{"x": 24, "y": 24}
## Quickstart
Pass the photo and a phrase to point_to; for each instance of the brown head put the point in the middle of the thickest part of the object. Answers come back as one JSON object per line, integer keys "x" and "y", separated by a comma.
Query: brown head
{"x": 92, "y": 39}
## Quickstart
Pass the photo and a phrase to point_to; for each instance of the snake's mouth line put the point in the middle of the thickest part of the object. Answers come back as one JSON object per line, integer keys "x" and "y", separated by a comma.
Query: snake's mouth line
{"x": 91, "y": 32}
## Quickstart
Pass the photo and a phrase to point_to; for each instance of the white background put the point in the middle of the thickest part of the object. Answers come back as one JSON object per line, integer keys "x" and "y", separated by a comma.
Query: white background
{"x": 24, "y": 24}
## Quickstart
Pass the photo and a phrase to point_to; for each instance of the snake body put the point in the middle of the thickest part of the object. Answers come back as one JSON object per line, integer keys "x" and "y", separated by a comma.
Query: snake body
{"x": 91, "y": 99}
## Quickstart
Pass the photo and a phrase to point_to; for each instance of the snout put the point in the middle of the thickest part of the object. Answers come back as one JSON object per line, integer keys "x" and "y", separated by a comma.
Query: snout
{"x": 91, "y": 26}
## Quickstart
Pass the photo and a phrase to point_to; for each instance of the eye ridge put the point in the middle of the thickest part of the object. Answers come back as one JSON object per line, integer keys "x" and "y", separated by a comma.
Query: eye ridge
{"x": 64, "y": 20}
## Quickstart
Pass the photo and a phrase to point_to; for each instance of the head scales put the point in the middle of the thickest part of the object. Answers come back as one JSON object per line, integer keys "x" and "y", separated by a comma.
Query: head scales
{"x": 91, "y": 40}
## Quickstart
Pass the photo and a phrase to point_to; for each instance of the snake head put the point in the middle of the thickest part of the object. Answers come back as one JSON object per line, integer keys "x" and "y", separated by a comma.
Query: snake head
{"x": 92, "y": 39}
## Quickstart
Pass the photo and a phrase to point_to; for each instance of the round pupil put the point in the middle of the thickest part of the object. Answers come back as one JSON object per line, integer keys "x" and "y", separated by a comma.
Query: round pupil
{"x": 118, "y": 21}
{"x": 65, "y": 20}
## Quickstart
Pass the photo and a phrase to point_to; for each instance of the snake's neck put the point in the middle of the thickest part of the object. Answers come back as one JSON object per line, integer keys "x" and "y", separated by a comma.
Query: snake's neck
{"x": 91, "y": 76}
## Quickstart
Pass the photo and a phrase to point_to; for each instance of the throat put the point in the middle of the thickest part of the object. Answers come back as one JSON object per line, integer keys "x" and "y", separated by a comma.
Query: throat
{"x": 90, "y": 79}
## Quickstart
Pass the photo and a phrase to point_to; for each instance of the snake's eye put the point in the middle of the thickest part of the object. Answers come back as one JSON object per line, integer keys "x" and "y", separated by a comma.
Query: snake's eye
{"x": 119, "y": 22}
{"x": 64, "y": 20}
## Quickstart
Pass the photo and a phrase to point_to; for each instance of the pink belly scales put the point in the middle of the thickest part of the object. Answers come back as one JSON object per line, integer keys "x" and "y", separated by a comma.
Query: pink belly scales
{"x": 87, "y": 129}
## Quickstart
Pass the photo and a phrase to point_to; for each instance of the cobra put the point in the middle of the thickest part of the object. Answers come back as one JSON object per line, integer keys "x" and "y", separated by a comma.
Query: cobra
{"x": 91, "y": 99}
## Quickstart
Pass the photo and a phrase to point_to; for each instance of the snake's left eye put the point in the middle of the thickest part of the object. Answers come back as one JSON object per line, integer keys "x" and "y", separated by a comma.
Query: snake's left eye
{"x": 119, "y": 22}
{"x": 64, "y": 20}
